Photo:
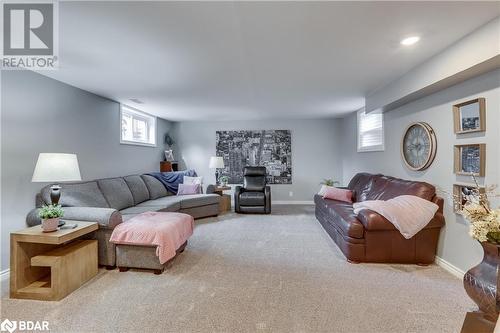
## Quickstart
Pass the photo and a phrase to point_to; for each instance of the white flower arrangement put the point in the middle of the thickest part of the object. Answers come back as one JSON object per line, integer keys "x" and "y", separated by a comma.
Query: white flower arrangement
{"x": 484, "y": 221}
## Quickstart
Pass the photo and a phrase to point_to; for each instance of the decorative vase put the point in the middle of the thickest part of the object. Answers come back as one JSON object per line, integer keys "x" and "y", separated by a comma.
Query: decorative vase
{"x": 49, "y": 225}
{"x": 481, "y": 282}
{"x": 169, "y": 155}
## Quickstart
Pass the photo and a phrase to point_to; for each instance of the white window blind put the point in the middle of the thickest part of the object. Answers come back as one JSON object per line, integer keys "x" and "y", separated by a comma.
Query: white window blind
{"x": 137, "y": 127}
{"x": 370, "y": 131}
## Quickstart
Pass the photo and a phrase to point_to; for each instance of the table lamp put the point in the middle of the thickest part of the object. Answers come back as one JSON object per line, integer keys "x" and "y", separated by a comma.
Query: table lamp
{"x": 54, "y": 168}
{"x": 216, "y": 162}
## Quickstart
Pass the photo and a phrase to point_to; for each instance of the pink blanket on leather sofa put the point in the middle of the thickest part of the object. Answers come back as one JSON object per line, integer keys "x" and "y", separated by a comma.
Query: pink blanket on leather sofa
{"x": 166, "y": 231}
{"x": 408, "y": 213}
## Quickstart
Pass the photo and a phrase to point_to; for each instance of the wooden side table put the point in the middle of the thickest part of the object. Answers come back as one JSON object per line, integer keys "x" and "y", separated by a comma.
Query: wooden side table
{"x": 225, "y": 200}
{"x": 166, "y": 166}
{"x": 49, "y": 266}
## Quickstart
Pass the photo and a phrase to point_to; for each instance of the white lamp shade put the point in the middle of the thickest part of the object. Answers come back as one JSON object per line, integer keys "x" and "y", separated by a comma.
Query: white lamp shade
{"x": 216, "y": 162}
{"x": 52, "y": 167}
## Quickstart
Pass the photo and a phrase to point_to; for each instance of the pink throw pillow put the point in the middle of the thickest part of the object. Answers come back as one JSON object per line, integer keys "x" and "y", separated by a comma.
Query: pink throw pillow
{"x": 185, "y": 189}
{"x": 339, "y": 194}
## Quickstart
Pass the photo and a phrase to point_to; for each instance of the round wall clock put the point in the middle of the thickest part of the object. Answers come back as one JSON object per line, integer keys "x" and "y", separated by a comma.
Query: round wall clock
{"x": 418, "y": 147}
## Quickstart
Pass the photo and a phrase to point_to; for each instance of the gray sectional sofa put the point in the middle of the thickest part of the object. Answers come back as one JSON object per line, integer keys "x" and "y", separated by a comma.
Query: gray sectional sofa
{"x": 111, "y": 201}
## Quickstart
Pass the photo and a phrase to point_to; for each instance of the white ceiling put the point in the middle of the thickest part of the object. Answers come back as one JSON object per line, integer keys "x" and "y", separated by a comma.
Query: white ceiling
{"x": 243, "y": 60}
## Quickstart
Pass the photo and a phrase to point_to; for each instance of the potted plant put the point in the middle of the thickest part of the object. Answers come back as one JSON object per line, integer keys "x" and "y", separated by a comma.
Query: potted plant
{"x": 481, "y": 281}
{"x": 224, "y": 180}
{"x": 329, "y": 182}
{"x": 50, "y": 215}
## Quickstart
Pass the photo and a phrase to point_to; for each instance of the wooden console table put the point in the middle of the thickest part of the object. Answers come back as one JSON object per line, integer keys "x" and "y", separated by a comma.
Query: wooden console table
{"x": 49, "y": 266}
{"x": 225, "y": 200}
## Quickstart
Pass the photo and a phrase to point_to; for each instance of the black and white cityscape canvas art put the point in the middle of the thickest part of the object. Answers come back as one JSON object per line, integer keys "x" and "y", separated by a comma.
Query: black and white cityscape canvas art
{"x": 269, "y": 148}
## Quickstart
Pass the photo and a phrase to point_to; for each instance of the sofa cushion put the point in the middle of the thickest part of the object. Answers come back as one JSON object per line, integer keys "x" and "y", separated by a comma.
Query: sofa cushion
{"x": 385, "y": 188}
{"x": 84, "y": 194}
{"x": 196, "y": 200}
{"x": 139, "y": 190}
{"x": 126, "y": 217}
{"x": 252, "y": 199}
{"x": 361, "y": 185}
{"x": 254, "y": 183}
{"x": 379, "y": 187}
{"x": 172, "y": 202}
{"x": 141, "y": 209}
{"x": 116, "y": 192}
{"x": 155, "y": 187}
{"x": 341, "y": 216}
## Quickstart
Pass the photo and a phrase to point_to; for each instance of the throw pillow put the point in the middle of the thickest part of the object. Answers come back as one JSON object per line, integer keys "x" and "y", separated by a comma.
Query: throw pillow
{"x": 338, "y": 194}
{"x": 185, "y": 189}
{"x": 193, "y": 181}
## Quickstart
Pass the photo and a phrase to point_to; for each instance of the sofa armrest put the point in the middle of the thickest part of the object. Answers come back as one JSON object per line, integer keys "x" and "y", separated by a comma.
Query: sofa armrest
{"x": 106, "y": 217}
{"x": 32, "y": 218}
{"x": 267, "y": 196}
{"x": 374, "y": 221}
{"x": 437, "y": 221}
{"x": 237, "y": 191}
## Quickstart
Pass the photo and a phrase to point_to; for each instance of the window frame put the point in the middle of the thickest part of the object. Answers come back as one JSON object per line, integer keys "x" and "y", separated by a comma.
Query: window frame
{"x": 374, "y": 148}
{"x": 142, "y": 116}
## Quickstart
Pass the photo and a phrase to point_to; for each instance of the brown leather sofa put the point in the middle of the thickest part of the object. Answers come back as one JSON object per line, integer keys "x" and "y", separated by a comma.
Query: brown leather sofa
{"x": 368, "y": 236}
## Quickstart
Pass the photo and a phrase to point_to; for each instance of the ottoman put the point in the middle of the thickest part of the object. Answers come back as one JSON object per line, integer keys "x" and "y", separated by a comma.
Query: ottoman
{"x": 151, "y": 240}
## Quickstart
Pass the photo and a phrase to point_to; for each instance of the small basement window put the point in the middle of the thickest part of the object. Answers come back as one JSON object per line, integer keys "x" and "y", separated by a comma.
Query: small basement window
{"x": 137, "y": 127}
{"x": 370, "y": 131}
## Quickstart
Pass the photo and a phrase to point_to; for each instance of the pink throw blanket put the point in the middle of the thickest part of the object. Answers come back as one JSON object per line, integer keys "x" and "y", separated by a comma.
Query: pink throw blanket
{"x": 166, "y": 231}
{"x": 408, "y": 213}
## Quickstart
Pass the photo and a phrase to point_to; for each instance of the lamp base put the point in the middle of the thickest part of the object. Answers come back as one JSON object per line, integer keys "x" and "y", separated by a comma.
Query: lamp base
{"x": 55, "y": 194}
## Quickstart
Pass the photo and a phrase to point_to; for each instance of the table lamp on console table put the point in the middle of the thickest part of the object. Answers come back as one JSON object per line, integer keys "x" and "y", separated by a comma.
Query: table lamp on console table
{"x": 54, "y": 168}
{"x": 216, "y": 162}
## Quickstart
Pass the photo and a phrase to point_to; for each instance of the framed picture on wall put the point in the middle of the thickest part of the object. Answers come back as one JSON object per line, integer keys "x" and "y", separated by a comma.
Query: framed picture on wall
{"x": 462, "y": 192}
{"x": 470, "y": 116}
{"x": 470, "y": 159}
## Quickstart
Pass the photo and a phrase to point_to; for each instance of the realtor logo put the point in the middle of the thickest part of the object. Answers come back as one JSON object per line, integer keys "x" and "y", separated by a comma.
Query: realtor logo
{"x": 8, "y": 326}
{"x": 24, "y": 325}
{"x": 29, "y": 35}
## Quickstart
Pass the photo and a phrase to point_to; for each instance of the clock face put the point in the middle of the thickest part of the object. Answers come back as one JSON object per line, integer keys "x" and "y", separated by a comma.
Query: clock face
{"x": 419, "y": 146}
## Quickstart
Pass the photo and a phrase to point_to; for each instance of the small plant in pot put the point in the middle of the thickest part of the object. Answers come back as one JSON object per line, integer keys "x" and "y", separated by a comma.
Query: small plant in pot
{"x": 50, "y": 215}
{"x": 329, "y": 182}
{"x": 224, "y": 180}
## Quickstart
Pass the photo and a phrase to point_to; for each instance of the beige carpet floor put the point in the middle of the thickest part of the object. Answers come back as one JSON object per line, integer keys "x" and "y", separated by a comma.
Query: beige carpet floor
{"x": 254, "y": 273}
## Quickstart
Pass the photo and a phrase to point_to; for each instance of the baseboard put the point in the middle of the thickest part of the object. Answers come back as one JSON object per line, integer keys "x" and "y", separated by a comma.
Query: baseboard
{"x": 4, "y": 282}
{"x": 282, "y": 202}
{"x": 454, "y": 270}
{"x": 4, "y": 275}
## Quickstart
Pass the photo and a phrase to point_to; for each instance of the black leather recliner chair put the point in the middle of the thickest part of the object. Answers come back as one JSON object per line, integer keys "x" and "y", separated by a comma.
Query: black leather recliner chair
{"x": 254, "y": 196}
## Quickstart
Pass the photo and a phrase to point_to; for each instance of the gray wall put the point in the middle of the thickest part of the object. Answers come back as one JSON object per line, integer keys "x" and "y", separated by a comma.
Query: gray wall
{"x": 315, "y": 151}
{"x": 43, "y": 115}
{"x": 455, "y": 245}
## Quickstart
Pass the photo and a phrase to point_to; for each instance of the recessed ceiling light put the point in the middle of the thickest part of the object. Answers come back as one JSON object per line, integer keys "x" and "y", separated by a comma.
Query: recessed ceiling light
{"x": 410, "y": 40}
{"x": 135, "y": 100}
